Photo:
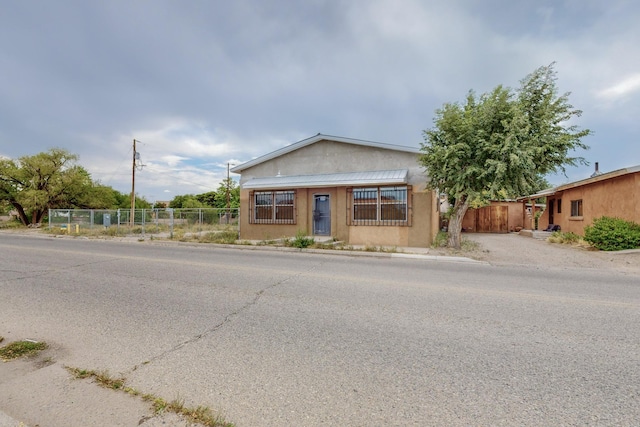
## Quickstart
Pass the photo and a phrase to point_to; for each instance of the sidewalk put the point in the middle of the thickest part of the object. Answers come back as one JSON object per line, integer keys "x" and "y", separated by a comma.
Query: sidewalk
{"x": 7, "y": 421}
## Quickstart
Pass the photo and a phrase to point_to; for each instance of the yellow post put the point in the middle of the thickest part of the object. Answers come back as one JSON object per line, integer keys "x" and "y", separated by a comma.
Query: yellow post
{"x": 77, "y": 228}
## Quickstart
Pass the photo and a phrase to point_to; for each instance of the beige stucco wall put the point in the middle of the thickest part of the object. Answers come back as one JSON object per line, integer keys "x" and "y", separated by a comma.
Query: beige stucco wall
{"x": 615, "y": 197}
{"x": 335, "y": 157}
{"x": 419, "y": 234}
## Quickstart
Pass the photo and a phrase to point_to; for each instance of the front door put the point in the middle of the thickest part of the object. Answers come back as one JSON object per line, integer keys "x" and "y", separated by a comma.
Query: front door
{"x": 551, "y": 211}
{"x": 321, "y": 215}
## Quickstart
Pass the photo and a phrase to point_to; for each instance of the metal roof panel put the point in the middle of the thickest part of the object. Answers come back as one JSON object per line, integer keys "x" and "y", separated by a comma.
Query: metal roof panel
{"x": 390, "y": 177}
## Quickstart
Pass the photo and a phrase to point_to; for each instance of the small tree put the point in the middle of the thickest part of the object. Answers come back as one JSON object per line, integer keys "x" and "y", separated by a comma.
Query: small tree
{"x": 500, "y": 143}
{"x": 186, "y": 201}
{"x": 228, "y": 190}
{"x": 208, "y": 199}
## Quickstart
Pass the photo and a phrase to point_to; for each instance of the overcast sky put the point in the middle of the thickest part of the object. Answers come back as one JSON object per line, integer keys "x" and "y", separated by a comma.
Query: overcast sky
{"x": 206, "y": 83}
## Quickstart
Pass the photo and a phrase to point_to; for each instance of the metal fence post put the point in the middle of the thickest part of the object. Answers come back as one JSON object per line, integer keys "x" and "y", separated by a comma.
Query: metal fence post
{"x": 171, "y": 223}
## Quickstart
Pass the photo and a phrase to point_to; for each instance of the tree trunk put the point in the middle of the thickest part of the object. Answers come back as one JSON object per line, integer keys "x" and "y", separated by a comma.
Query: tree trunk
{"x": 21, "y": 214}
{"x": 38, "y": 215}
{"x": 455, "y": 222}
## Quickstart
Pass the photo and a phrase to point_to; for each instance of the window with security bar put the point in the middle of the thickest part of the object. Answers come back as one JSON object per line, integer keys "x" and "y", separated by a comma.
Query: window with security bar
{"x": 380, "y": 206}
{"x": 273, "y": 207}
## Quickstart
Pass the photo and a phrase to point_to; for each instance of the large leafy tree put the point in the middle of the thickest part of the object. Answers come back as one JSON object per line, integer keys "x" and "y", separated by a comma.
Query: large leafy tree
{"x": 49, "y": 180}
{"x": 500, "y": 143}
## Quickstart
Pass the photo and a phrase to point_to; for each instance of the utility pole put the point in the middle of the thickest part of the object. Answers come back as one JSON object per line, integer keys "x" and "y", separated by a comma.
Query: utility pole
{"x": 133, "y": 188}
{"x": 228, "y": 195}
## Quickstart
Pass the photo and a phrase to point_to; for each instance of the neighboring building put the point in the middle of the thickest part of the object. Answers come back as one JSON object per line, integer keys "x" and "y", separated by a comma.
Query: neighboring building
{"x": 358, "y": 192}
{"x": 575, "y": 205}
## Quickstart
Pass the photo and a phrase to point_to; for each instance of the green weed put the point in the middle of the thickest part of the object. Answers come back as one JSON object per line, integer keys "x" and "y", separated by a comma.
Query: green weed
{"x": 564, "y": 238}
{"x": 223, "y": 237}
{"x": 300, "y": 241}
{"x": 18, "y": 349}
{"x": 441, "y": 240}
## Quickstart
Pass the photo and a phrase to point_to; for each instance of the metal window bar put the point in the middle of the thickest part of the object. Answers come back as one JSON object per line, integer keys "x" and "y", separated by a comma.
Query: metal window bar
{"x": 380, "y": 206}
{"x": 284, "y": 207}
{"x": 273, "y": 207}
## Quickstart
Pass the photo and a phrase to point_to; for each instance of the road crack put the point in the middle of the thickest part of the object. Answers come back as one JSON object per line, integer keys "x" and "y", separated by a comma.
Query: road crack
{"x": 229, "y": 317}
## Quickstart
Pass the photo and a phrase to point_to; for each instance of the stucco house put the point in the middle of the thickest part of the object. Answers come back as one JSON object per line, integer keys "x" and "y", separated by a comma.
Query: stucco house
{"x": 358, "y": 192}
{"x": 575, "y": 205}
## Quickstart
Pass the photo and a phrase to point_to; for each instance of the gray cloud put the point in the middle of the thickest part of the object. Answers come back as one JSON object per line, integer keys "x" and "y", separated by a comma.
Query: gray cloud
{"x": 203, "y": 83}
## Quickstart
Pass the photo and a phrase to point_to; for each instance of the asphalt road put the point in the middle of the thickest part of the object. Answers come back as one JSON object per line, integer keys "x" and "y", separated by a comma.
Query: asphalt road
{"x": 273, "y": 338}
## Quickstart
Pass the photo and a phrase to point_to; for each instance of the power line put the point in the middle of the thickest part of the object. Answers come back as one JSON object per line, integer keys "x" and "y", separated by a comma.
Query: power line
{"x": 150, "y": 168}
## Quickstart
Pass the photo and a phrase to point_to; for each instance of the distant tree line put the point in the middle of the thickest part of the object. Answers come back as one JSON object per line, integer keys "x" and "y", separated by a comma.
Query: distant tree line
{"x": 31, "y": 185}
{"x": 212, "y": 199}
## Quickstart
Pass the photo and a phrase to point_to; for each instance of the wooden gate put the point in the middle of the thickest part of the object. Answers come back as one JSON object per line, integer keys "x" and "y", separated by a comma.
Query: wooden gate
{"x": 492, "y": 219}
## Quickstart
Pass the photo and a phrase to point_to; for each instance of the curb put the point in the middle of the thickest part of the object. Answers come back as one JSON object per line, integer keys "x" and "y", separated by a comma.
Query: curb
{"x": 342, "y": 252}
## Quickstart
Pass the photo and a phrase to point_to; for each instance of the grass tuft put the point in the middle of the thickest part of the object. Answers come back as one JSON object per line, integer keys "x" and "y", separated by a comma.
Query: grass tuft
{"x": 301, "y": 240}
{"x": 199, "y": 415}
{"x": 18, "y": 349}
{"x": 228, "y": 237}
{"x": 441, "y": 240}
{"x": 567, "y": 238}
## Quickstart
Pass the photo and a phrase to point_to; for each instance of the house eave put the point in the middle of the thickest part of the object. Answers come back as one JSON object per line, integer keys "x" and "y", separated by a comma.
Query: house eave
{"x": 586, "y": 181}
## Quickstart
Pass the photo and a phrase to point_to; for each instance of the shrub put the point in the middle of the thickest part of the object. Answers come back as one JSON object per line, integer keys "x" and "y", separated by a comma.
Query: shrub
{"x": 613, "y": 234}
{"x": 301, "y": 240}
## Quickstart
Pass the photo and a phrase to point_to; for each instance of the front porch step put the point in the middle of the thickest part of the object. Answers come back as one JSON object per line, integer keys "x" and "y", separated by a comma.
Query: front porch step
{"x": 536, "y": 234}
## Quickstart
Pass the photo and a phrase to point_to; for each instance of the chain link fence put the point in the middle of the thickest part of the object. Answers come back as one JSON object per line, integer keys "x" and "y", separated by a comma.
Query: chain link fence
{"x": 161, "y": 222}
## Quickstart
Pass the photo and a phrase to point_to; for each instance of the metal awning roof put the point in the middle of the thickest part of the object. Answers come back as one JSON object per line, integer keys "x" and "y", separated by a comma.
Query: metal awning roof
{"x": 543, "y": 193}
{"x": 386, "y": 177}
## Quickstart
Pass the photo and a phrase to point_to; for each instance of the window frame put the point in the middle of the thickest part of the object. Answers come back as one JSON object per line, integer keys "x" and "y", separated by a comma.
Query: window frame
{"x": 281, "y": 209}
{"x": 382, "y": 205}
{"x": 577, "y": 208}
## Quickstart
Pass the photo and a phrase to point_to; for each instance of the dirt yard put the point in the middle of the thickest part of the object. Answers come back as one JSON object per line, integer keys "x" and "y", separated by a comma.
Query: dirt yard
{"x": 514, "y": 249}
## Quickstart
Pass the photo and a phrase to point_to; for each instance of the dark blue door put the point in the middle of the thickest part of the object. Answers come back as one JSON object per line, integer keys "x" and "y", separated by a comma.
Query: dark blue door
{"x": 321, "y": 215}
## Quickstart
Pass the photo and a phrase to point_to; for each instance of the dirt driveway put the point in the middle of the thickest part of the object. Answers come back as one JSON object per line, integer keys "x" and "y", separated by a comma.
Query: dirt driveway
{"x": 514, "y": 249}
